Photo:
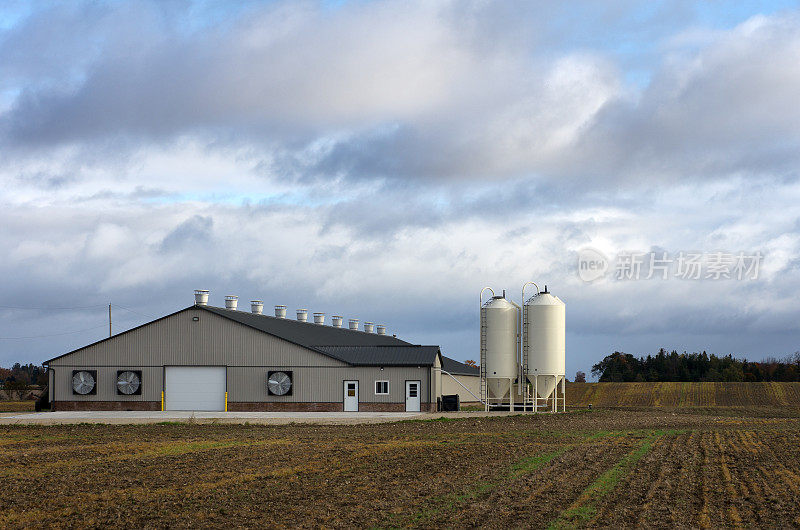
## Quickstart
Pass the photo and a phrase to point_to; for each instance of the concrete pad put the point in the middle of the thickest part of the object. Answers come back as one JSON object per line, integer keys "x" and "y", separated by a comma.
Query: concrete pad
{"x": 275, "y": 418}
{"x": 261, "y": 418}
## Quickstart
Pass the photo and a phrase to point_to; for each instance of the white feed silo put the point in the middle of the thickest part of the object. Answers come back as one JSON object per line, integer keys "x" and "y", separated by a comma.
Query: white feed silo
{"x": 543, "y": 346}
{"x": 499, "y": 349}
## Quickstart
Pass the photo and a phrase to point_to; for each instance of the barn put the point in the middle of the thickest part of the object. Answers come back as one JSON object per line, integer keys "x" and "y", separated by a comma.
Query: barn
{"x": 222, "y": 359}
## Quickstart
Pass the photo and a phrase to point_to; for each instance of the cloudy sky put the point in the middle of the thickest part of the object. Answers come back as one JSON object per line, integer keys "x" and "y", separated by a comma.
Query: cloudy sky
{"x": 387, "y": 160}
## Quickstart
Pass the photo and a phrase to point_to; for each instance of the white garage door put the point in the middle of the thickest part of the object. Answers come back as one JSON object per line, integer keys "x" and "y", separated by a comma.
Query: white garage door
{"x": 195, "y": 388}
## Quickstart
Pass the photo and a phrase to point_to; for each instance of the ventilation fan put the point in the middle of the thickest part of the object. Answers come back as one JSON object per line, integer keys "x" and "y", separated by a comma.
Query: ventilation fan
{"x": 129, "y": 382}
{"x": 84, "y": 382}
{"x": 279, "y": 383}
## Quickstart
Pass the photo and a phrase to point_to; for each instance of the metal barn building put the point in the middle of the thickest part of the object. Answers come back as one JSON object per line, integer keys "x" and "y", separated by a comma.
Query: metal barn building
{"x": 209, "y": 358}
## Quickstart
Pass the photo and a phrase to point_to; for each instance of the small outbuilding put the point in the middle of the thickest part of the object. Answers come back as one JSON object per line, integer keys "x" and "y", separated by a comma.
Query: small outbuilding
{"x": 210, "y": 358}
{"x": 462, "y": 379}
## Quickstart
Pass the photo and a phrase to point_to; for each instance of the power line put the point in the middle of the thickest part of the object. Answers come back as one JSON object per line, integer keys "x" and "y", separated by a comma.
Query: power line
{"x": 67, "y": 308}
{"x": 53, "y": 308}
{"x": 73, "y": 308}
{"x": 132, "y": 311}
{"x": 53, "y": 334}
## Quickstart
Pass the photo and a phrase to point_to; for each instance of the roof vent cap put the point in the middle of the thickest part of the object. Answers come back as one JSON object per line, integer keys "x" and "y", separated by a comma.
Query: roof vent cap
{"x": 231, "y": 302}
{"x": 256, "y": 306}
{"x": 319, "y": 318}
{"x": 354, "y": 323}
{"x": 336, "y": 321}
{"x": 280, "y": 311}
{"x": 368, "y": 327}
{"x": 201, "y": 296}
{"x": 381, "y": 329}
{"x": 302, "y": 315}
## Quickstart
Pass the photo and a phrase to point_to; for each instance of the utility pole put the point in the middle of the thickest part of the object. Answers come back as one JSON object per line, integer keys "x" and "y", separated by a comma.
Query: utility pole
{"x": 109, "y": 320}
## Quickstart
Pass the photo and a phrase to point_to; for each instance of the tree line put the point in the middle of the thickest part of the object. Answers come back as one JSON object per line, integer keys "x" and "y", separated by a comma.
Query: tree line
{"x": 674, "y": 366}
{"x": 21, "y": 376}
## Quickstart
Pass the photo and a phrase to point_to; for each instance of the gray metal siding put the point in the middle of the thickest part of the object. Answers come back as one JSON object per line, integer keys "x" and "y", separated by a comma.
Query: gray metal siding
{"x": 216, "y": 341}
{"x": 177, "y": 340}
{"x": 248, "y": 384}
{"x": 152, "y": 383}
{"x": 325, "y": 385}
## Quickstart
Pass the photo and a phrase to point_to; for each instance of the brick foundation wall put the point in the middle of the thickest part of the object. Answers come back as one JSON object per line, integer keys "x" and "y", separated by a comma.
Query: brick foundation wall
{"x": 288, "y": 406}
{"x": 258, "y": 406}
{"x": 106, "y": 405}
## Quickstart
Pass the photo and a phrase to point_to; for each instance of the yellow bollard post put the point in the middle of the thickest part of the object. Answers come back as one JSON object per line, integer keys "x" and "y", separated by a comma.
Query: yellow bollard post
{"x": 162, "y": 401}
{"x": 226, "y": 401}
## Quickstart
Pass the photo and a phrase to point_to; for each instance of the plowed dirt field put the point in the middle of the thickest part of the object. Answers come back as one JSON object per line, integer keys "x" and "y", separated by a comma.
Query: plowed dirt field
{"x": 579, "y": 469}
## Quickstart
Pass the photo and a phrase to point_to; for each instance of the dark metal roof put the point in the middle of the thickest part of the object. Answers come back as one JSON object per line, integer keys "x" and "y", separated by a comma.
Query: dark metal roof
{"x": 356, "y": 348}
{"x": 305, "y": 333}
{"x": 407, "y": 355}
{"x": 456, "y": 368}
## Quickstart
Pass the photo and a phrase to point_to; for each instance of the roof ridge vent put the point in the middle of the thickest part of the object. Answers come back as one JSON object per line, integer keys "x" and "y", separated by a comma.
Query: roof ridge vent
{"x": 336, "y": 321}
{"x": 256, "y": 307}
{"x": 369, "y": 327}
{"x": 231, "y": 302}
{"x": 280, "y": 311}
{"x": 354, "y": 324}
{"x": 381, "y": 329}
{"x": 319, "y": 318}
{"x": 302, "y": 315}
{"x": 201, "y": 296}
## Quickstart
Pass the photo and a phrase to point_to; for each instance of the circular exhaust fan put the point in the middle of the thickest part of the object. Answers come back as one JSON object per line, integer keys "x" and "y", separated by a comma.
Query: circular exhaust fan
{"x": 84, "y": 382}
{"x": 279, "y": 383}
{"x": 129, "y": 382}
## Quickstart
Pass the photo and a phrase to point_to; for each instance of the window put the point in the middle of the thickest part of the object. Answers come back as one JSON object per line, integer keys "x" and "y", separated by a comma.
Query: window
{"x": 381, "y": 387}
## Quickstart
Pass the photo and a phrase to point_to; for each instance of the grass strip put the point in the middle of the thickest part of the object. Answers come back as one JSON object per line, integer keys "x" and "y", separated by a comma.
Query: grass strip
{"x": 454, "y": 501}
{"x": 160, "y": 450}
{"x": 585, "y": 508}
{"x": 532, "y": 463}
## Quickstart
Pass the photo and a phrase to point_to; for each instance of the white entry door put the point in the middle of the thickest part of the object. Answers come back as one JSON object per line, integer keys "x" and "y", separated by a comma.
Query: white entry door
{"x": 351, "y": 396}
{"x": 412, "y": 396}
{"x": 194, "y": 387}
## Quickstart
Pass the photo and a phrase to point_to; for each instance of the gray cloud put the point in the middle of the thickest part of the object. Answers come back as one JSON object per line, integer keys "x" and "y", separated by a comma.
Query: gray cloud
{"x": 729, "y": 108}
{"x": 190, "y": 233}
{"x": 453, "y": 102}
{"x": 386, "y": 161}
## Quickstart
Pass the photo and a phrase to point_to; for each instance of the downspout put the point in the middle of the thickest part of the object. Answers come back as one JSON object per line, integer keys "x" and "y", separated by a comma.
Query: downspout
{"x": 430, "y": 391}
